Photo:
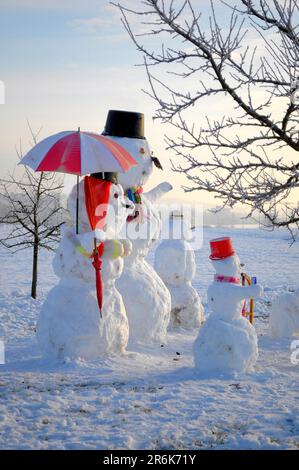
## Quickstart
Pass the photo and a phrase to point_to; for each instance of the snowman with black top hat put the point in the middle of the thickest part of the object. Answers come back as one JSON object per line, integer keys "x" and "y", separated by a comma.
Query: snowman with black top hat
{"x": 147, "y": 299}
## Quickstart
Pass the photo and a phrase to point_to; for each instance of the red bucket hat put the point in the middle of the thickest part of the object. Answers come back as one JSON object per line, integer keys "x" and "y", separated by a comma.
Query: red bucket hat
{"x": 221, "y": 248}
{"x": 97, "y": 193}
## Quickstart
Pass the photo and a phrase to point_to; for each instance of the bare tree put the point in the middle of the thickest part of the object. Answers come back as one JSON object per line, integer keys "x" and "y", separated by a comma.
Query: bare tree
{"x": 249, "y": 60}
{"x": 32, "y": 213}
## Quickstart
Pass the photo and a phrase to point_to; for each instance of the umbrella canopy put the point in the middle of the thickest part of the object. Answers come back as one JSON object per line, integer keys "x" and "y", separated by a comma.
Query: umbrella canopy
{"x": 78, "y": 153}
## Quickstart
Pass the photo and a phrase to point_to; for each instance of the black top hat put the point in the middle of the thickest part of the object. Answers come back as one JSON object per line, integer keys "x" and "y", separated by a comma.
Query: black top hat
{"x": 124, "y": 124}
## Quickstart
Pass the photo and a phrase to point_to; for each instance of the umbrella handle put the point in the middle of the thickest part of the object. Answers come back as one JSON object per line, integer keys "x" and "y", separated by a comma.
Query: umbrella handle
{"x": 77, "y": 207}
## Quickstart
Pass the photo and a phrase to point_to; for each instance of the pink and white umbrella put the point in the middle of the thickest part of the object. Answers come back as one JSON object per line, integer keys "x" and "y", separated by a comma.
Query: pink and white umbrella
{"x": 78, "y": 153}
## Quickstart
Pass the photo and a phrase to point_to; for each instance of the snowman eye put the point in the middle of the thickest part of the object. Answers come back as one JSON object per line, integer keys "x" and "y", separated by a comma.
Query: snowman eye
{"x": 116, "y": 195}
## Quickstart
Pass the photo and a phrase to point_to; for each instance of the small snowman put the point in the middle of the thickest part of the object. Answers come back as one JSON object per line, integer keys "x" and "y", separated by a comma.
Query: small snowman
{"x": 70, "y": 324}
{"x": 147, "y": 299}
{"x": 227, "y": 342}
{"x": 175, "y": 264}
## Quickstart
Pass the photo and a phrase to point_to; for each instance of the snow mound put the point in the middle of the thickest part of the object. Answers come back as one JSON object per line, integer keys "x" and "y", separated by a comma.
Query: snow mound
{"x": 175, "y": 261}
{"x": 284, "y": 315}
{"x": 175, "y": 264}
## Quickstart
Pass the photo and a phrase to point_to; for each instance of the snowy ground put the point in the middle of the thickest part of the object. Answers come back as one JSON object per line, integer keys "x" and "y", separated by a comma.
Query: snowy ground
{"x": 151, "y": 397}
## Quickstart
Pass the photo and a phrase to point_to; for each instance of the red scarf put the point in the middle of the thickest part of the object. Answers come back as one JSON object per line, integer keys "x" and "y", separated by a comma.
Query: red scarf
{"x": 230, "y": 279}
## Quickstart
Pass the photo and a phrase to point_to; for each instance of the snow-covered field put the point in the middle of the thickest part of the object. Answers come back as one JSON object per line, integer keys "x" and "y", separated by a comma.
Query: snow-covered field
{"x": 151, "y": 397}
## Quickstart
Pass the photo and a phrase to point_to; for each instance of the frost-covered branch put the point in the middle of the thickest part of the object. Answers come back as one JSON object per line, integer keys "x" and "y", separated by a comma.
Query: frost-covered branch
{"x": 247, "y": 59}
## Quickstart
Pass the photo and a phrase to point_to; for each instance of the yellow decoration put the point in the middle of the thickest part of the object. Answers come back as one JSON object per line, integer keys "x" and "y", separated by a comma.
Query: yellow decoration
{"x": 83, "y": 252}
{"x": 250, "y": 314}
{"x": 115, "y": 250}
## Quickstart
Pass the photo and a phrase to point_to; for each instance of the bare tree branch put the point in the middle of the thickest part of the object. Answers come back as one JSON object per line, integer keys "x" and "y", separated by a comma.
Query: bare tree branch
{"x": 249, "y": 59}
{"x": 33, "y": 212}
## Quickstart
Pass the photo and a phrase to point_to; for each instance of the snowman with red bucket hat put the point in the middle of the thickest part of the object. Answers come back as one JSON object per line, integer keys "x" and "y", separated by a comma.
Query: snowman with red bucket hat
{"x": 227, "y": 342}
{"x": 71, "y": 324}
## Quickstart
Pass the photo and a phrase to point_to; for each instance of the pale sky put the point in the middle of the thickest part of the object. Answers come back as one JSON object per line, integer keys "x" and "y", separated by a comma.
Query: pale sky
{"x": 64, "y": 64}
